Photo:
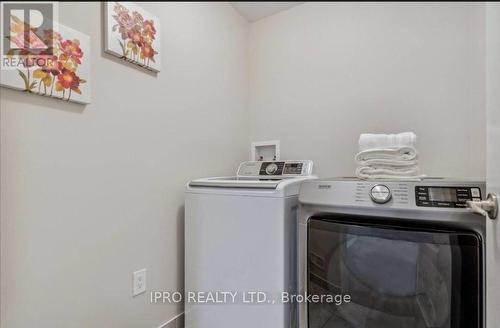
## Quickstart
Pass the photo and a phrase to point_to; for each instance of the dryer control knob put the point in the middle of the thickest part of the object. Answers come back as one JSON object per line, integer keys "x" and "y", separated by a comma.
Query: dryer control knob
{"x": 271, "y": 168}
{"x": 380, "y": 194}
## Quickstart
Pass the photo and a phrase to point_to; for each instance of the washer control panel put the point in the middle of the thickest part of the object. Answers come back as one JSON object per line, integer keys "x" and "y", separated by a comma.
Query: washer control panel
{"x": 440, "y": 196}
{"x": 272, "y": 168}
{"x": 276, "y": 169}
{"x": 380, "y": 194}
{"x": 281, "y": 168}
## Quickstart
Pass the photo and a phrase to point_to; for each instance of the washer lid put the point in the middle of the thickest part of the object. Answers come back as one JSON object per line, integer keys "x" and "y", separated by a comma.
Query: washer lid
{"x": 260, "y": 175}
{"x": 237, "y": 182}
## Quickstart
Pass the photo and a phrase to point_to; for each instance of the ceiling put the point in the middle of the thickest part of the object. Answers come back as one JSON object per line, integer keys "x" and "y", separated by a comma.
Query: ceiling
{"x": 255, "y": 10}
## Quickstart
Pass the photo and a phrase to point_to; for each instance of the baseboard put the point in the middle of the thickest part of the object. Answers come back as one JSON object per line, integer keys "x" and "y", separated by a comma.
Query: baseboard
{"x": 175, "y": 322}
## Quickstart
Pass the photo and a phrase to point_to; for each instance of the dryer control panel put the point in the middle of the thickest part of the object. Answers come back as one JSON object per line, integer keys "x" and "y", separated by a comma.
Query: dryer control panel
{"x": 438, "y": 196}
{"x": 429, "y": 194}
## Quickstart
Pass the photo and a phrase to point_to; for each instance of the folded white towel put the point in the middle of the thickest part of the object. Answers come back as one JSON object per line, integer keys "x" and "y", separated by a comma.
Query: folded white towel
{"x": 366, "y": 172}
{"x": 398, "y": 154}
{"x": 388, "y": 156}
{"x": 413, "y": 170}
{"x": 388, "y": 163}
{"x": 370, "y": 141}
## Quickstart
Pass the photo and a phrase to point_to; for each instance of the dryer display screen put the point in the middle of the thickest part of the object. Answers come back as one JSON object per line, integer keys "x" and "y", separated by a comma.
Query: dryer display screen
{"x": 443, "y": 194}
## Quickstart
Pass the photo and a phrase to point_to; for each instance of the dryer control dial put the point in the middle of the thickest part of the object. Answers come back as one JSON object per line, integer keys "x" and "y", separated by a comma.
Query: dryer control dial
{"x": 380, "y": 194}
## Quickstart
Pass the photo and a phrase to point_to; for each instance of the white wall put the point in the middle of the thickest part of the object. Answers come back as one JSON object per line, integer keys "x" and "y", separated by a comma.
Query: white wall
{"x": 322, "y": 73}
{"x": 90, "y": 194}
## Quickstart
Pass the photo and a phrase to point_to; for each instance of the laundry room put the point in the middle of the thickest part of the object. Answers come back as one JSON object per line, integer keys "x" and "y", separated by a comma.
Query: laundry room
{"x": 249, "y": 164}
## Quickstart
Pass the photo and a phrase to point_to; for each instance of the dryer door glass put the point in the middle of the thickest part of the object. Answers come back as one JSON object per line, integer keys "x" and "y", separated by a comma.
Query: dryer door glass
{"x": 368, "y": 276}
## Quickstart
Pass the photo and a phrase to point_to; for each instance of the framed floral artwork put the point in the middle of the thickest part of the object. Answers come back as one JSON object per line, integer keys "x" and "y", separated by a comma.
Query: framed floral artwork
{"x": 60, "y": 71}
{"x": 132, "y": 34}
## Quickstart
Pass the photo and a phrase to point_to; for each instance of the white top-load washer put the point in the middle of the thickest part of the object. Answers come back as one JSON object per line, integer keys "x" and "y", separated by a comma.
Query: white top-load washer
{"x": 240, "y": 246}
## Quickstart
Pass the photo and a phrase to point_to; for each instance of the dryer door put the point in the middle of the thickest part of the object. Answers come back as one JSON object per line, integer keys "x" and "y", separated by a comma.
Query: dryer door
{"x": 395, "y": 277}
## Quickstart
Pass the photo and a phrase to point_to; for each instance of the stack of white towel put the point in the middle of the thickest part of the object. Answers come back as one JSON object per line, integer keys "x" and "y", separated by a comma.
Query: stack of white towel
{"x": 388, "y": 156}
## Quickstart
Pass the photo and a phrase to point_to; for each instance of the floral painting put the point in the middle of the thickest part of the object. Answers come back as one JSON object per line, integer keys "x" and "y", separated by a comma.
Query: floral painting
{"x": 132, "y": 34}
{"x": 59, "y": 71}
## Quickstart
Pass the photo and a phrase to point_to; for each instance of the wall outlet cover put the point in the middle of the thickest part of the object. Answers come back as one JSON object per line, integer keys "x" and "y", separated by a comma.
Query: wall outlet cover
{"x": 139, "y": 283}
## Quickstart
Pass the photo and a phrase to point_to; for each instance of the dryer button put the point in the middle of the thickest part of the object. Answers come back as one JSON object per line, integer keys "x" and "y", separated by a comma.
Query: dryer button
{"x": 475, "y": 192}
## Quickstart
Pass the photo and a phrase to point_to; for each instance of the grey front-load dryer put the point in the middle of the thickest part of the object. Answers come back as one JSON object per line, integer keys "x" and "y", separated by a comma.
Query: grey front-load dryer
{"x": 406, "y": 254}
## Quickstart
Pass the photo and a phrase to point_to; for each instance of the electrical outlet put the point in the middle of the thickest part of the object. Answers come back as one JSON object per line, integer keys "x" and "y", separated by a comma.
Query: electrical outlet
{"x": 139, "y": 282}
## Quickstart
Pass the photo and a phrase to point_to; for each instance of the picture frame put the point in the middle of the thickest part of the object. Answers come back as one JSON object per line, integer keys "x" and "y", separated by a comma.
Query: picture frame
{"x": 132, "y": 34}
